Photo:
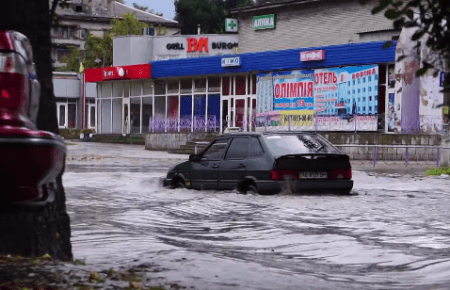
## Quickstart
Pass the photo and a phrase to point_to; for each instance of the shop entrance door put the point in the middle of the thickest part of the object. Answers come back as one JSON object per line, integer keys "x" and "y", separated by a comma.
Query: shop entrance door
{"x": 227, "y": 116}
{"x": 240, "y": 120}
{"x": 126, "y": 116}
{"x": 91, "y": 116}
{"x": 61, "y": 111}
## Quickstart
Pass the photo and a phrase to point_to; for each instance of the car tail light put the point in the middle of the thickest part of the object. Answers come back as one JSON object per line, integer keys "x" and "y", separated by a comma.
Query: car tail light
{"x": 14, "y": 85}
{"x": 283, "y": 174}
{"x": 6, "y": 42}
{"x": 340, "y": 174}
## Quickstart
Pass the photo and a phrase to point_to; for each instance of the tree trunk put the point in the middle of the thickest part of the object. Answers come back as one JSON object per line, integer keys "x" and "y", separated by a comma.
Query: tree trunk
{"x": 26, "y": 232}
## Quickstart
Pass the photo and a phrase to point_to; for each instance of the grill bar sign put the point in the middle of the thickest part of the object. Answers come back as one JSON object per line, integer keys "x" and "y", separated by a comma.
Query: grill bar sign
{"x": 231, "y": 61}
{"x": 264, "y": 22}
{"x": 312, "y": 55}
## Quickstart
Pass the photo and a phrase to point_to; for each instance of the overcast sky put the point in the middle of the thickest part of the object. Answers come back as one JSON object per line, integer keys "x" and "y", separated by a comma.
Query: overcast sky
{"x": 165, "y": 6}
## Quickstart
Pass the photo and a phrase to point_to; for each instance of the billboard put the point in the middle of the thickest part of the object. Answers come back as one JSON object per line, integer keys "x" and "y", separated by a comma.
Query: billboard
{"x": 337, "y": 99}
{"x": 293, "y": 90}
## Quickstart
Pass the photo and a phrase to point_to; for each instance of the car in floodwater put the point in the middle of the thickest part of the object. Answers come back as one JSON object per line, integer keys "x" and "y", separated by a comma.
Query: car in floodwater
{"x": 266, "y": 163}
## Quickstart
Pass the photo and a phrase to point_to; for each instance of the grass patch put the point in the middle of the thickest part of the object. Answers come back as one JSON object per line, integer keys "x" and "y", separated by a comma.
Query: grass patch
{"x": 68, "y": 144}
{"x": 437, "y": 171}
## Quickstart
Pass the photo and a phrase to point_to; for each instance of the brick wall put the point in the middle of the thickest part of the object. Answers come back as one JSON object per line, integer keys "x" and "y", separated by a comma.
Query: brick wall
{"x": 310, "y": 24}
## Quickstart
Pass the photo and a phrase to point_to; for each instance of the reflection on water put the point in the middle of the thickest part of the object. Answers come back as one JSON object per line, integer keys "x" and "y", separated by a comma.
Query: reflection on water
{"x": 393, "y": 234}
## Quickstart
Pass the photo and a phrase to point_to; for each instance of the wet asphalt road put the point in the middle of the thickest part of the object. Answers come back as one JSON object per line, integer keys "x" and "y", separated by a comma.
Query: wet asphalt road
{"x": 392, "y": 233}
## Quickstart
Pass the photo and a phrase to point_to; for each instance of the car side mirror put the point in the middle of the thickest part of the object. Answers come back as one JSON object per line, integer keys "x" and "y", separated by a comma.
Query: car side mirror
{"x": 194, "y": 157}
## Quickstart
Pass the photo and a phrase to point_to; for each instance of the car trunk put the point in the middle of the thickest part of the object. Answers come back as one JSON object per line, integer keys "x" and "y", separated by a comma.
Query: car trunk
{"x": 307, "y": 166}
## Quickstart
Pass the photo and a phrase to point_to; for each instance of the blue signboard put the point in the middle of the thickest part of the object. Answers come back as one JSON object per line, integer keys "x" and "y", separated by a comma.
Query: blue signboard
{"x": 293, "y": 90}
{"x": 441, "y": 79}
{"x": 231, "y": 61}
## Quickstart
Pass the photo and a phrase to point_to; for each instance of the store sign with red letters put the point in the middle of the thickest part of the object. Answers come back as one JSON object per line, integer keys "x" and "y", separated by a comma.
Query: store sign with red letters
{"x": 312, "y": 55}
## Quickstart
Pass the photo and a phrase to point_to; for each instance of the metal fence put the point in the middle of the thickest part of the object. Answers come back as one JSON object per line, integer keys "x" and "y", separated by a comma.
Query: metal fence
{"x": 372, "y": 152}
{"x": 184, "y": 124}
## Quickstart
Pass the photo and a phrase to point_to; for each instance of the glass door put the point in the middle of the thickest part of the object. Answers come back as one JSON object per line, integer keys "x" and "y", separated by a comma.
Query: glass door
{"x": 226, "y": 120}
{"x": 91, "y": 116}
{"x": 240, "y": 113}
{"x": 61, "y": 111}
{"x": 126, "y": 117}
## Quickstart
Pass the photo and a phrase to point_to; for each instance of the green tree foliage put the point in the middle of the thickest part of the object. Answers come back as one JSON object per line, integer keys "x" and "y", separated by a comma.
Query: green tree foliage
{"x": 128, "y": 25}
{"x": 210, "y": 14}
{"x": 99, "y": 50}
{"x": 431, "y": 18}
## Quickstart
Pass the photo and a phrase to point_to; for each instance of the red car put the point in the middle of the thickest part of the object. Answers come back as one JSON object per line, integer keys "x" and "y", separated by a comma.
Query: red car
{"x": 30, "y": 159}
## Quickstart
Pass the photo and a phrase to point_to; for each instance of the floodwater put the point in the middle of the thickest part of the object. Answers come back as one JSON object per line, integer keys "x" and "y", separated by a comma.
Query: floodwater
{"x": 392, "y": 233}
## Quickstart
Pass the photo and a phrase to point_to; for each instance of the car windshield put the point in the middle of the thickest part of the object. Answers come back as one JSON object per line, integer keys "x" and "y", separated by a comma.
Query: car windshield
{"x": 299, "y": 144}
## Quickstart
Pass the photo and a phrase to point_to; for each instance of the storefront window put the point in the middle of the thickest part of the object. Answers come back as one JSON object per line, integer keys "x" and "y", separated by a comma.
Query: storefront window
{"x": 173, "y": 106}
{"x": 148, "y": 88}
{"x": 92, "y": 116}
{"x": 72, "y": 115}
{"x": 117, "y": 116}
{"x": 117, "y": 90}
{"x": 126, "y": 90}
{"x": 185, "y": 113}
{"x": 135, "y": 115}
{"x": 160, "y": 87}
{"x": 160, "y": 107}
{"x": 136, "y": 89}
{"x": 147, "y": 113}
{"x": 214, "y": 84}
{"x": 173, "y": 87}
{"x": 225, "y": 86}
{"x": 200, "y": 85}
{"x": 240, "y": 85}
{"x": 106, "y": 116}
{"x": 106, "y": 90}
{"x": 254, "y": 84}
{"x": 186, "y": 86}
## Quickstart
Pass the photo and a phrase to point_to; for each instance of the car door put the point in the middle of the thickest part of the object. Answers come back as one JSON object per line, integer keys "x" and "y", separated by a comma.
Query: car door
{"x": 205, "y": 171}
{"x": 234, "y": 166}
{"x": 259, "y": 164}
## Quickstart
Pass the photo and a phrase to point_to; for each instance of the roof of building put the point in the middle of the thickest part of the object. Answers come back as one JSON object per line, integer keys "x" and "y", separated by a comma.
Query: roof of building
{"x": 97, "y": 12}
{"x": 272, "y": 5}
{"x": 141, "y": 15}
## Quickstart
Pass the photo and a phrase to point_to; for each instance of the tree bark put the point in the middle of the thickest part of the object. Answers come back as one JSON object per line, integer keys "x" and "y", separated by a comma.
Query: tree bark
{"x": 36, "y": 232}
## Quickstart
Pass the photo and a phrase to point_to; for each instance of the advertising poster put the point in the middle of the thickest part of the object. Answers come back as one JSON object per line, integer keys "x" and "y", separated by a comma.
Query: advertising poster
{"x": 332, "y": 99}
{"x": 293, "y": 90}
{"x": 264, "y": 93}
{"x": 430, "y": 107}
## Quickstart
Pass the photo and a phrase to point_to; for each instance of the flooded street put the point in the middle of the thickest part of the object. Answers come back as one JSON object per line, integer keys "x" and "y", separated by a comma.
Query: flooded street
{"x": 393, "y": 232}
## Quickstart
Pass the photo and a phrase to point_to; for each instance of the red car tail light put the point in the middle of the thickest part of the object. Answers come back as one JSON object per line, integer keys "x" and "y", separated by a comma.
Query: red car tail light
{"x": 6, "y": 42}
{"x": 283, "y": 174}
{"x": 14, "y": 86}
{"x": 340, "y": 174}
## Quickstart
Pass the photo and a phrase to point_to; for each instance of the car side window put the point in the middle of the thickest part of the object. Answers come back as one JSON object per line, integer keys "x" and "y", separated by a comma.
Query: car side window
{"x": 238, "y": 148}
{"x": 216, "y": 150}
{"x": 255, "y": 149}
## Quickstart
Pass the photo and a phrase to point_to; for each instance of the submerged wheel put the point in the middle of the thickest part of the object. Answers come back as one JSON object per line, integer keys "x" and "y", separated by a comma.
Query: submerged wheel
{"x": 179, "y": 184}
{"x": 251, "y": 189}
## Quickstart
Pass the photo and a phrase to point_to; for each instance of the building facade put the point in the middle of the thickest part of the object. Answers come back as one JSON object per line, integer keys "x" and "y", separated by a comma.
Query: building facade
{"x": 310, "y": 23}
{"x": 303, "y": 65}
